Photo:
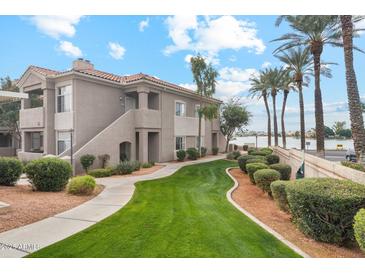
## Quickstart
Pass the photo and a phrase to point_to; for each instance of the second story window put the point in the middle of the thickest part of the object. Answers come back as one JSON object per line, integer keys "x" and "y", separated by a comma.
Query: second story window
{"x": 64, "y": 99}
{"x": 197, "y": 107}
{"x": 179, "y": 109}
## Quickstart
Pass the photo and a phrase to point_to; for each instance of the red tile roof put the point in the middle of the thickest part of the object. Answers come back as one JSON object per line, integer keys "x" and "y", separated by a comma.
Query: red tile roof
{"x": 44, "y": 71}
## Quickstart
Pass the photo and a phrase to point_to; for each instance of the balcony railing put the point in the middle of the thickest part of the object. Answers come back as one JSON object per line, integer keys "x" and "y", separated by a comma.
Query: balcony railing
{"x": 31, "y": 118}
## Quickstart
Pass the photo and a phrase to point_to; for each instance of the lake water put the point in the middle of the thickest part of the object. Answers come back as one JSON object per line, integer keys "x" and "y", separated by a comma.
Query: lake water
{"x": 292, "y": 142}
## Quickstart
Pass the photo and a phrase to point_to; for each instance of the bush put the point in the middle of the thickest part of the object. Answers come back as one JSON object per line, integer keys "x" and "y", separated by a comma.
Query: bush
{"x": 264, "y": 177}
{"x": 48, "y": 174}
{"x": 324, "y": 208}
{"x": 236, "y": 154}
{"x": 81, "y": 185}
{"x": 87, "y": 161}
{"x": 230, "y": 156}
{"x": 359, "y": 228}
{"x": 136, "y": 165}
{"x": 100, "y": 172}
{"x": 266, "y": 150}
{"x": 272, "y": 159}
{"x": 285, "y": 170}
{"x": 125, "y": 167}
{"x": 279, "y": 194}
{"x": 104, "y": 158}
{"x": 251, "y": 150}
{"x": 203, "y": 151}
{"x": 192, "y": 153}
{"x": 147, "y": 165}
{"x": 242, "y": 161}
{"x": 252, "y": 168}
{"x": 180, "y": 154}
{"x": 10, "y": 171}
{"x": 353, "y": 165}
{"x": 215, "y": 150}
{"x": 256, "y": 160}
{"x": 245, "y": 147}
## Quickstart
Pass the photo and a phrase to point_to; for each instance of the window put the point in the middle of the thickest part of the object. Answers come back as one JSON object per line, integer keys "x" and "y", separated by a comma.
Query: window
{"x": 36, "y": 141}
{"x": 63, "y": 141}
{"x": 64, "y": 102}
{"x": 180, "y": 109}
{"x": 201, "y": 141}
{"x": 180, "y": 142}
{"x": 197, "y": 107}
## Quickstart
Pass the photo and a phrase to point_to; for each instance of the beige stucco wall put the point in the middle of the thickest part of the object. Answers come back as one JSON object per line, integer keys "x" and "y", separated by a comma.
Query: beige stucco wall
{"x": 32, "y": 118}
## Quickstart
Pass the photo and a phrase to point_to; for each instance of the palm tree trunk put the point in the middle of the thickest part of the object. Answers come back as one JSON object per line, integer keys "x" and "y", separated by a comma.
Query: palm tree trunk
{"x": 268, "y": 121}
{"x": 276, "y": 137}
{"x": 318, "y": 106}
{"x": 283, "y": 134}
{"x": 302, "y": 121}
{"x": 355, "y": 107}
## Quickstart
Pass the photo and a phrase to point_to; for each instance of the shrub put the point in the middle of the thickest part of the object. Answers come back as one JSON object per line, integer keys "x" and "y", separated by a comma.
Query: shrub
{"x": 215, "y": 150}
{"x": 264, "y": 177}
{"x": 230, "y": 156}
{"x": 87, "y": 161}
{"x": 10, "y": 171}
{"x": 252, "y": 168}
{"x": 359, "y": 228}
{"x": 147, "y": 165}
{"x": 124, "y": 167}
{"x": 104, "y": 158}
{"x": 266, "y": 150}
{"x": 245, "y": 147}
{"x": 272, "y": 159}
{"x": 256, "y": 160}
{"x": 180, "y": 154}
{"x": 203, "y": 151}
{"x": 324, "y": 208}
{"x": 251, "y": 150}
{"x": 136, "y": 165}
{"x": 353, "y": 165}
{"x": 285, "y": 170}
{"x": 81, "y": 185}
{"x": 279, "y": 194}
{"x": 236, "y": 154}
{"x": 48, "y": 174}
{"x": 242, "y": 161}
{"x": 192, "y": 153}
{"x": 100, "y": 172}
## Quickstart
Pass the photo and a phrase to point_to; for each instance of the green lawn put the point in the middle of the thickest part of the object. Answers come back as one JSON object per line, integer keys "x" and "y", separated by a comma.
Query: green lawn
{"x": 184, "y": 215}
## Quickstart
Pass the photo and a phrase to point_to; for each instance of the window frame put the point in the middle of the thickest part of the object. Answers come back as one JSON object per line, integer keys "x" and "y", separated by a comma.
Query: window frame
{"x": 58, "y": 139}
{"x": 183, "y": 143}
{"x": 184, "y": 108}
{"x": 39, "y": 149}
{"x": 58, "y": 95}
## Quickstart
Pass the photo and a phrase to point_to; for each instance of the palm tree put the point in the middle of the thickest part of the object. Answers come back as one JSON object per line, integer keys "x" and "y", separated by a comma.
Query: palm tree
{"x": 313, "y": 32}
{"x": 355, "y": 106}
{"x": 299, "y": 64}
{"x": 259, "y": 89}
{"x": 274, "y": 81}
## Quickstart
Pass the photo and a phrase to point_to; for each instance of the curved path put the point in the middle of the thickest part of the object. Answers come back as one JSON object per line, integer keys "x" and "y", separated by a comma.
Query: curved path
{"x": 21, "y": 241}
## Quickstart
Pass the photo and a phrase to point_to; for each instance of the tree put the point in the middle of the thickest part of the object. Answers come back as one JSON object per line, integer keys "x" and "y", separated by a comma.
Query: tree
{"x": 355, "y": 107}
{"x": 9, "y": 111}
{"x": 259, "y": 89}
{"x": 205, "y": 79}
{"x": 313, "y": 32}
{"x": 328, "y": 132}
{"x": 346, "y": 133}
{"x": 233, "y": 117}
{"x": 338, "y": 126}
{"x": 363, "y": 107}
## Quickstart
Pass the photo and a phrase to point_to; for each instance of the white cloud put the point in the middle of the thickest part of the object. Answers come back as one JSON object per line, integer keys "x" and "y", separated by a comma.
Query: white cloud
{"x": 212, "y": 35}
{"x": 56, "y": 26}
{"x": 144, "y": 24}
{"x": 116, "y": 50}
{"x": 237, "y": 74}
{"x": 69, "y": 49}
{"x": 266, "y": 65}
{"x": 188, "y": 86}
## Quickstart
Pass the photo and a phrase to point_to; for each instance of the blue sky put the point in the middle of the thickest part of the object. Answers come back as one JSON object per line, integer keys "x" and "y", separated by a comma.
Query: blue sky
{"x": 160, "y": 45}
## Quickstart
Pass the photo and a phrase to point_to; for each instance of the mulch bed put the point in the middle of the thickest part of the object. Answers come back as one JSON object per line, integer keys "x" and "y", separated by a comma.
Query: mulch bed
{"x": 251, "y": 198}
{"x": 28, "y": 206}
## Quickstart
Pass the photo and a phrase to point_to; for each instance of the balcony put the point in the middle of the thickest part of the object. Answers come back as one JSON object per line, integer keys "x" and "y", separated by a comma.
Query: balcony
{"x": 188, "y": 126}
{"x": 215, "y": 124}
{"x": 147, "y": 118}
{"x": 31, "y": 118}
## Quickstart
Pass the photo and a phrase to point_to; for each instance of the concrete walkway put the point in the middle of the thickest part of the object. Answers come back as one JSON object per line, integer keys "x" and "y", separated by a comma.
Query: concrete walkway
{"x": 21, "y": 241}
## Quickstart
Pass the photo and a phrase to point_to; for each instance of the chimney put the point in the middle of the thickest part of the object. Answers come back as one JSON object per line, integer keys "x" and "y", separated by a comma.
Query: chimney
{"x": 81, "y": 64}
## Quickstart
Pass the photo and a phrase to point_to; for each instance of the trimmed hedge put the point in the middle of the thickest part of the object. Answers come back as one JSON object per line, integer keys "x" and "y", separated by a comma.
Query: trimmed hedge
{"x": 100, "y": 172}
{"x": 48, "y": 174}
{"x": 180, "y": 154}
{"x": 10, "y": 171}
{"x": 284, "y": 169}
{"x": 147, "y": 165}
{"x": 353, "y": 165}
{"x": 279, "y": 194}
{"x": 203, "y": 151}
{"x": 242, "y": 161}
{"x": 124, "y": 167}
{"x": 215, "y": 150}
{"x": 87, "y": 161}
{"x": 81, "y": 185}
{"x": 359, "y": 228}
{"x": 272, "y": 159}
{"x": 264, "y": 177}
{"x": 252, "y": 168}
{"x": 192, "y": 153}
{"x": 260, "y": 152}
{"x": 256, "y": 160}
{"x": 324, "y": 208}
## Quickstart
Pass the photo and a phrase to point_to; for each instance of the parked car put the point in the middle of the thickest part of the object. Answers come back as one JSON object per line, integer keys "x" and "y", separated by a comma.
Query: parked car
{"x": 350, "y": 155}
